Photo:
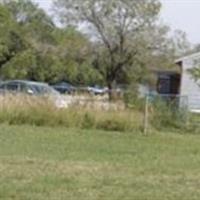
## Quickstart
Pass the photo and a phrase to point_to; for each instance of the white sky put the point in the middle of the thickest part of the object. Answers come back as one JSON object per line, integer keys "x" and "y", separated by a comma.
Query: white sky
{"x": 178, "y": 14}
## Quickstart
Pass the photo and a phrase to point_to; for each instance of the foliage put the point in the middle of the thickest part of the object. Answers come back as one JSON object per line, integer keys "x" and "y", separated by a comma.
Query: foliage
{"x": 32, "y": 47}
{"x": 11, "y": 41}
{"x": 131, "y": 98}
{"x": 195, "y": 73}
{"x": 165, "y": 113}
{"x": 104, "y": 42}
{"x": 128, "y": 38}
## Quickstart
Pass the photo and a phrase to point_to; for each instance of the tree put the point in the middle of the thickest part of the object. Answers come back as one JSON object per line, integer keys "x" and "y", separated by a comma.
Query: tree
{"x": 50, "y": 53}
{"x": 181, "y": 44}
{"x": 123, "y": 32}
{"x": 74, "y": 51}
{"x": 11, "y": 42}
{"x": 28, "y": 40}
{"x": 35, "y": 24}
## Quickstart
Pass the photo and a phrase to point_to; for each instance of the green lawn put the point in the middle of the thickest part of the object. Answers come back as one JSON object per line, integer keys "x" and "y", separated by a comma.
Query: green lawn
{"x": 69, "y": 164}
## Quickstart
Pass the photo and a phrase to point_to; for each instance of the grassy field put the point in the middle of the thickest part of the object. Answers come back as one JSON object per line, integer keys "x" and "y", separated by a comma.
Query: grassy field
{"x": 71, "y": 164}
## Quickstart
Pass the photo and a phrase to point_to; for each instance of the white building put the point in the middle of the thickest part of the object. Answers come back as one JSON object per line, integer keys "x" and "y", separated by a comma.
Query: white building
{"x": 189, "y": 87}
{"x": 181, "y": 82}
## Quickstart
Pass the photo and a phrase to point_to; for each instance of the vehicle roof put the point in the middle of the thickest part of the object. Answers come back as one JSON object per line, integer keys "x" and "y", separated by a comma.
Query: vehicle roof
{"x": 25, "y": 82}
{"x": 63, "y": 84}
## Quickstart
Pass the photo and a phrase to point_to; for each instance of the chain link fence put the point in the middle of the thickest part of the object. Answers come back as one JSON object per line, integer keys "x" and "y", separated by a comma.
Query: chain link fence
{"x": 128, "y": 112}
{"x": 172, "y": 112}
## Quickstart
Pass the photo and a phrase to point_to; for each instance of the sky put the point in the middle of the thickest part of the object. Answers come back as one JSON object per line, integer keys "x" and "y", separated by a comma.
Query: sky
{"x": 178, "y": 14}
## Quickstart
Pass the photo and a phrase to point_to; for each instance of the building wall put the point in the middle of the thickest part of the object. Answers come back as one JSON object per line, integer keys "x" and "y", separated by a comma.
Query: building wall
{"x": 189, "y": 87}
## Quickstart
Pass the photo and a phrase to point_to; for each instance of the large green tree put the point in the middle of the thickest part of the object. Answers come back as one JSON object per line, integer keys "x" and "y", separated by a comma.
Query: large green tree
{"x": 74, "y": 51}
{"x": 126, "y": 33}
{"x": 28, "y": 40}
{"x": 49, "y": 53}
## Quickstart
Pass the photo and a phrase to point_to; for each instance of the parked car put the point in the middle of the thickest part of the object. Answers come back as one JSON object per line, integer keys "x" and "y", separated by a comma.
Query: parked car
{"x": 97, "y": 90}
{"x": 32, "y": 88}
{"x": 64, "y": 88}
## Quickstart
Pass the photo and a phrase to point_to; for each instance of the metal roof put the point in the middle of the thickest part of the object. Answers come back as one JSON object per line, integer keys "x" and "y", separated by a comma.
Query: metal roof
{"x": 191, "y": 56}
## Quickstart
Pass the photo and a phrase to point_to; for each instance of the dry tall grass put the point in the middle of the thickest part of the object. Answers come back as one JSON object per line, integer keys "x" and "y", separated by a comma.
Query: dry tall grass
{"x": 20, "y": 109}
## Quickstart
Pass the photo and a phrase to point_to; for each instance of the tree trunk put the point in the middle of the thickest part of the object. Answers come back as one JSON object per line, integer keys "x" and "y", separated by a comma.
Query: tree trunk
{"x": 113, "y": 96}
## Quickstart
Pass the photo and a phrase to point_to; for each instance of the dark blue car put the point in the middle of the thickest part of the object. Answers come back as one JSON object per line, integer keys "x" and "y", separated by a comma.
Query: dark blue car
{"x": 64, "y": 88}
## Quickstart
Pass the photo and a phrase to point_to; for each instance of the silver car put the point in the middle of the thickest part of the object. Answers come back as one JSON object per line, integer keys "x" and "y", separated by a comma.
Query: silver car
{"x": 32, "y": 88}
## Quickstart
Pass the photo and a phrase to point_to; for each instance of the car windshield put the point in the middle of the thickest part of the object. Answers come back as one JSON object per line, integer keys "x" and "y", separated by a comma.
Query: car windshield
{"x": 97, "y": 87}
{"x": 42, "y": 89}
{"x": 63, "y": 85}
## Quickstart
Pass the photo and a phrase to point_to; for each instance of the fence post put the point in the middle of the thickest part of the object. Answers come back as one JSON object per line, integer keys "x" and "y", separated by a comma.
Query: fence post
{"x": 187, "y": 112}
{"x": 146, "y": 113}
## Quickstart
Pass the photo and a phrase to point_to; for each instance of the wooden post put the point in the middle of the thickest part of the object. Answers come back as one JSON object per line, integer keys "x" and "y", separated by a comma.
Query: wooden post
{"x": 187, "y": 112}
{"x": 146, "y": 115}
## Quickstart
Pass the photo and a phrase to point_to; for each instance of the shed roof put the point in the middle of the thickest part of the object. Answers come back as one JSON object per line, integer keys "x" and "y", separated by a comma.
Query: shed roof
{"x": 190, "y": 56}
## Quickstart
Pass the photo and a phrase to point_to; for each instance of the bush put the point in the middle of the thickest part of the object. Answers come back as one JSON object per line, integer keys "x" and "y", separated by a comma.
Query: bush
{"x": 113, "y": 125}
{"x": 165, "y": 114}
{"x": 88, "y": 121}
{"x": 132, "y": 99}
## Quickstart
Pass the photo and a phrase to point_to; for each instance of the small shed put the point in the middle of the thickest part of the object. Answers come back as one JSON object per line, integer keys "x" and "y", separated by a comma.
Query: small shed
{"x": 188, "y": 85}
{"x": 181, "y": 82}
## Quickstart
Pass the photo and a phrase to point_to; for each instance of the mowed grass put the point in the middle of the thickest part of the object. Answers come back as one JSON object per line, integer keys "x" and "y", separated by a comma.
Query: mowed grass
{"x": 72, "y": 164}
